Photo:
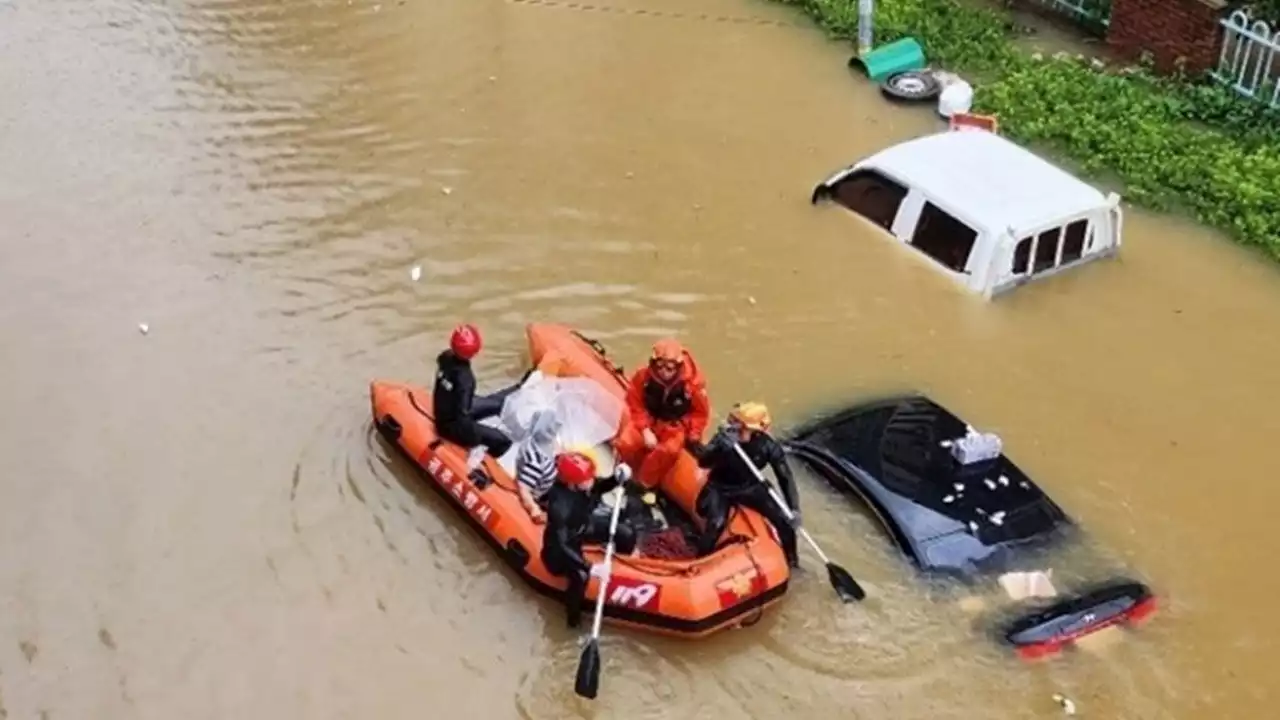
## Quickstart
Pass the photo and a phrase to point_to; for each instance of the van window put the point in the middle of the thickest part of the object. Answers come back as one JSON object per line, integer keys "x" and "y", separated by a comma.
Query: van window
{"x": 1022, "y": 256}
{"x": 1073, "y": 241}
{"x": 1045, "y": 247}
{"x": 943, "y": 237}
{"x": 871, "y": 195}
{"x": 1047, "y": 250}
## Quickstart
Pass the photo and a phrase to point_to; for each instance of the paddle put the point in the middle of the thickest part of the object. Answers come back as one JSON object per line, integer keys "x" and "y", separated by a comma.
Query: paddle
{"x": 588, "y": 681}
{"x": 843, "y": 583}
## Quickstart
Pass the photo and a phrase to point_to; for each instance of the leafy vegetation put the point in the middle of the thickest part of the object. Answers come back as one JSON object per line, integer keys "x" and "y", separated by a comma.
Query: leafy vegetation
{"x": 1265, "y": 9}
{"x": 1173, "y": 143}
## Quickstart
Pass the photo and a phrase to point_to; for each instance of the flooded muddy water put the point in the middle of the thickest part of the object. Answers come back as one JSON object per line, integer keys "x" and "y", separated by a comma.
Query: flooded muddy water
{"x": 198, "y": 522}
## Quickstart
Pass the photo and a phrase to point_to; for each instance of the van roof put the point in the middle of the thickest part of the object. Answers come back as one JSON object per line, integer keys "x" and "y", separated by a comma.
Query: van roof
{"x": 988, "y": 180}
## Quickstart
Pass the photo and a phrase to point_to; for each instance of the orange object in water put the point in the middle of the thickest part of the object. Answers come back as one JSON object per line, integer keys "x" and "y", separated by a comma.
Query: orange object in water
{"x": 970, "y": 121}
{"x": 682, "y": 597}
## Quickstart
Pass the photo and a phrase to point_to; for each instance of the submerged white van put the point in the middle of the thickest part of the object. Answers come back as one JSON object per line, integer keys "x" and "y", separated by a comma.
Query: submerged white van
{"x": 989, "y": 213}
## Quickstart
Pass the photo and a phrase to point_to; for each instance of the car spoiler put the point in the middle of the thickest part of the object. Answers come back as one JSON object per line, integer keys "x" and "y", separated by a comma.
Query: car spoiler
{"x": 1049, "y": 630}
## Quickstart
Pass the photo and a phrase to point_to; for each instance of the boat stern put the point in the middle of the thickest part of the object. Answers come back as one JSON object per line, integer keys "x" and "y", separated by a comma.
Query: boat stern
{"x": 387, "y": 401}
{"x": 383, "y": 393}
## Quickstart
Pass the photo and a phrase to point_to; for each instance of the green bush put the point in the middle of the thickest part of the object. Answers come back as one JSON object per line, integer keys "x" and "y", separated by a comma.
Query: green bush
{"x": 954, "y": 35}
{"x": 1173, "y": 144}
{"x": 1264, "y": 9}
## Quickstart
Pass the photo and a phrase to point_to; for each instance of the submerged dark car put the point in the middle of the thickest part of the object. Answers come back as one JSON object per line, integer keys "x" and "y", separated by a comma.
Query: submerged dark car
{"x": 981, "y": 521}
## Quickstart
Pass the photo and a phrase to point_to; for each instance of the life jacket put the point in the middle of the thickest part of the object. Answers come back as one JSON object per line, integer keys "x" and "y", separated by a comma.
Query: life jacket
{"x": 671, "y": 402}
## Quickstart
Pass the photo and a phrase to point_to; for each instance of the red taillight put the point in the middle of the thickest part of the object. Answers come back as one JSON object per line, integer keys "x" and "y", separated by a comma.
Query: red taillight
{"x": 1139, "y": 613}
{"x": 1142, "y": 611}
{"x": 1039, "y": 651}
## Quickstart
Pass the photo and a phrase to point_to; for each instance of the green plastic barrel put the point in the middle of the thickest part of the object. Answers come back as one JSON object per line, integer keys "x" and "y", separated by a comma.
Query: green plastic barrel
{"x": 898, "y": 56}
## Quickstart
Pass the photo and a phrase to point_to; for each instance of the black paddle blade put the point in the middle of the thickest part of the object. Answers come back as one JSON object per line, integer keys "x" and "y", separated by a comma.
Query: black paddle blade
{"x": 588, "y": 682}
{"x": 845, "y": 586}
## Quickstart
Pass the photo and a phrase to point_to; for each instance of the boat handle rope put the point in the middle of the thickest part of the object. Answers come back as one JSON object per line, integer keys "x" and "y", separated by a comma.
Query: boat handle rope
{"x": 600, "y": 350}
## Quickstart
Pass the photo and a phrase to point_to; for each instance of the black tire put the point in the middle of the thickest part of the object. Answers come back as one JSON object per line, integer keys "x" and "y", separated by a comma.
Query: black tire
{"x": 911, "y": 86}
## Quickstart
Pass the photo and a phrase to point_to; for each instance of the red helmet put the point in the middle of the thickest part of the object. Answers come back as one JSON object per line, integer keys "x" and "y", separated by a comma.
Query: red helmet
{"x": 576, "y": 470}
{"x": 465, "y": 341}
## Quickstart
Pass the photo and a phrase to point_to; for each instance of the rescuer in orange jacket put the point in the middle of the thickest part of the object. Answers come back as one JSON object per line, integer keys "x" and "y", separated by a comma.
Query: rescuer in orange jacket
{"x": 669, "y": 411}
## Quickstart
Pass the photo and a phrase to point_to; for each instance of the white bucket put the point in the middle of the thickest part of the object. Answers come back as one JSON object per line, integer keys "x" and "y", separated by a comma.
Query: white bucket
{"x": 956, "y": 97}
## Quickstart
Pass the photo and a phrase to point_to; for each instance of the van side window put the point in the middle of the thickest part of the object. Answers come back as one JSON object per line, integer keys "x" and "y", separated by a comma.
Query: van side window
{"x": 1047, "y": 250}
{"x": 1022, "y": 256}
{"x": 872, "y": 196}
{"x": 1073, "y": 241}
{"x": 943, "y": 237}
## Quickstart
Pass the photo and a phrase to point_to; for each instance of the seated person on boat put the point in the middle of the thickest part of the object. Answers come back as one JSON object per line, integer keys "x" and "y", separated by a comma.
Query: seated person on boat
{"x": 571, "y": 522}
{"x": 669, "y": 410}
{"x": 550, "y": 415}
{"x": 456, "y": 408}
{"x": 536, "y": 464}
{"x": 730, "y": 483}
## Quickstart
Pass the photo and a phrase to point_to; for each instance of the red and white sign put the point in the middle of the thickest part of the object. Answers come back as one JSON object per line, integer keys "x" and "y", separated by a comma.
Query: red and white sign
{"x": 634, "y": 594}
{"x": 463, "y": 491}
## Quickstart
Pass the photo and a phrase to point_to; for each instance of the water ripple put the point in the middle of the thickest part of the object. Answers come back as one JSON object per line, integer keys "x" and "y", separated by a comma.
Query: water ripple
{"x": 642, "y": 682}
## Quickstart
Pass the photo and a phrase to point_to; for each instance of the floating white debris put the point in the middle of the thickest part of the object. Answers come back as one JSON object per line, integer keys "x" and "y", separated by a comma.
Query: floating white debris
{"x": 973, "y": 526}
{"x": 958, "y": 486}
{"x": 1023, "y": 585}
{"x": 998, "y": 518}
{"x": 976, "y": 447}
{"x": 1068, "y": 706}
{"x": 751, "y": 299}
{"x": 144, "y": 328}
{"x": 416, "y": 273}
{"x": 949, "y": 499}
{"x": 446, "y": 190}
{"x": 991, "y": 484}
{"x": 1004, "y": 480}
{"x": 1024, "y": 485}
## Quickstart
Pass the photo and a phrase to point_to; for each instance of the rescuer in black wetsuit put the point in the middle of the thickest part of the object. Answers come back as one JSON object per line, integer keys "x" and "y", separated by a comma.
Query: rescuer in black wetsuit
{"x": 456, "y": 408}
{"x": 731, "y": 482}
{"x": 571, "y": 521}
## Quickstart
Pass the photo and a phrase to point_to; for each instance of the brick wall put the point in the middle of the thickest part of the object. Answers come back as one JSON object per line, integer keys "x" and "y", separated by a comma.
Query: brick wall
{"x": 1170, "y": 30}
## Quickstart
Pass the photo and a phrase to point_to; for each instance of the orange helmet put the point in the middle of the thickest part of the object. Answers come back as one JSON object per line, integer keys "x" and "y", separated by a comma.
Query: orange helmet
{"x": 667, "y": 351}
{"x": 751, "y": 415}
{"x": 575, "y": 470}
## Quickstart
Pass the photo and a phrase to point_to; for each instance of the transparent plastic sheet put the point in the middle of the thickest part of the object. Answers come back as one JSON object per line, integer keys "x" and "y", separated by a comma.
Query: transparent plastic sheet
{"x": 586, "y": 414}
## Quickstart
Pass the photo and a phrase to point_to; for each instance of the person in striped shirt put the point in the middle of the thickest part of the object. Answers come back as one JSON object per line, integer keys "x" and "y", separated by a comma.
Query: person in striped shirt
{"x": 536, "y": 464}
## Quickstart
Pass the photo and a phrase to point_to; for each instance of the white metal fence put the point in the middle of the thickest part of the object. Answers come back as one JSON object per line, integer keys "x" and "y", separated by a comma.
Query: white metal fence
{"x": 1250, "y": 59}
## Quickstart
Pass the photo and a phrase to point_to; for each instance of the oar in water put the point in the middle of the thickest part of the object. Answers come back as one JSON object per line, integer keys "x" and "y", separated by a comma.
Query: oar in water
{"x": 845, "y": 586}
{"x": 588, "y": 681}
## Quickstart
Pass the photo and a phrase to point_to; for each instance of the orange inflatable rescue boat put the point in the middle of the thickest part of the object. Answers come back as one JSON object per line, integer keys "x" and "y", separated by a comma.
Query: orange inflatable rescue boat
{"x": 692, "y": 597}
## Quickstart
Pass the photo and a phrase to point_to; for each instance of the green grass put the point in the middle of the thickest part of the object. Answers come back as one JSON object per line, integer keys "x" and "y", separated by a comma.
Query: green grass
{"x": 1173, "y": 144}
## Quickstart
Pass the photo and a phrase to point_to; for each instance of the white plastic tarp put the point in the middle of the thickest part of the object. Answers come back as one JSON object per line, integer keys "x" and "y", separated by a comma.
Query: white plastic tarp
{"x": 587, "y": 414}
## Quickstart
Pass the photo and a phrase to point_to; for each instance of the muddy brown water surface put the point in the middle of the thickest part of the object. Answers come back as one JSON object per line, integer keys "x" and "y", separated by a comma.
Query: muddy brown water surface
{"x": 199, "y": 523}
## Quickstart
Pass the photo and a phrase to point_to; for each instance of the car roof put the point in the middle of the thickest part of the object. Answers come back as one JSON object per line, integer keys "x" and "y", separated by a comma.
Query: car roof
{"x": 932, "y": 499}
{"x": 988, "y": 181}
